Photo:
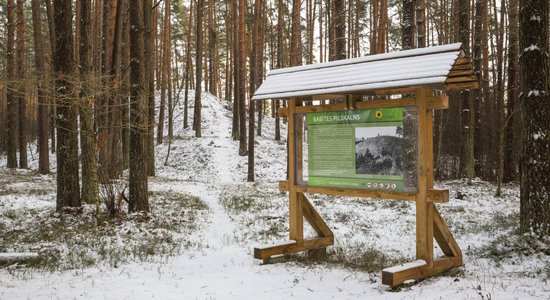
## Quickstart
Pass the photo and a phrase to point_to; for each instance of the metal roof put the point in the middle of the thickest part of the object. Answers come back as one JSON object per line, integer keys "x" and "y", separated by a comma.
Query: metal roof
{"x": 441, "y": 67}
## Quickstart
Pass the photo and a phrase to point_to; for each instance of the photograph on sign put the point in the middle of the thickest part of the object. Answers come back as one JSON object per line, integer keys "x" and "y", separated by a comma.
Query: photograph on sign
{"x": 360, "y": 149}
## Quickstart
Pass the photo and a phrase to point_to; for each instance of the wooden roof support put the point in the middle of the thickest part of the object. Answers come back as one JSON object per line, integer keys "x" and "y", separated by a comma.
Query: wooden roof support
{"x": 432, "y": 102}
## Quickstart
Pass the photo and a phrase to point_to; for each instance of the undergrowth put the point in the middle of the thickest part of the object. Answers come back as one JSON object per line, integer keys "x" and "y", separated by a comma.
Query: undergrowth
{"x": 75, "y": 239}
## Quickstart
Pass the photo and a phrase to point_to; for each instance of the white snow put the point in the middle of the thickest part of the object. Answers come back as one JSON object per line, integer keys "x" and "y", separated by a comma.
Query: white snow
{"x": 221, "y": 266}
{"x": 415, "y": 264}
{"x": 531, "y": 48}
{"x": 536, "y": 18}
{"x": 535, "y": 93}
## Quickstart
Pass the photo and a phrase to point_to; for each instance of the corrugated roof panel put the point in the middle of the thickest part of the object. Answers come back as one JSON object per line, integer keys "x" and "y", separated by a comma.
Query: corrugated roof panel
{"x": 426, "y": 66}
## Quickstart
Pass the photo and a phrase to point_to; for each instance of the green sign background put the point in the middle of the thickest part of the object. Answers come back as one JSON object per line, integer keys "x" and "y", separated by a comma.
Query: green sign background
{"x": 331, "y": 149}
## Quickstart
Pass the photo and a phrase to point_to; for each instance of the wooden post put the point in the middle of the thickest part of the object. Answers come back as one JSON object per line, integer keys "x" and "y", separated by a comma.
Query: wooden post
{"x": 296, "y": 223}
{"x": 424, "y": 242}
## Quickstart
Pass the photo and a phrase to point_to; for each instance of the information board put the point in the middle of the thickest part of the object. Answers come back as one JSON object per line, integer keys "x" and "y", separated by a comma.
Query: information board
{"x": 359, "y": 149}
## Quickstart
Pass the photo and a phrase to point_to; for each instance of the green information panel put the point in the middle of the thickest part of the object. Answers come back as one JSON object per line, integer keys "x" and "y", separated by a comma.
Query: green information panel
{"x": 358, "y": 149}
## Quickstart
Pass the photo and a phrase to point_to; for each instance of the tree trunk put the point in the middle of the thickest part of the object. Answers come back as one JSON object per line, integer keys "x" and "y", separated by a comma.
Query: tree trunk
{"x": 477, "y": 59}
{"x": 511, "y": 144}
{"x": 212, "y": 48}
{"x": 12, "y": 106}
{"x": 383, "y": 27}
{"x": 52, "y": 113}
{"x": 421, "y": 23}
{"x": 339, "y": 16}
{"x": 535, "y": 110}
{"x": 254, "y": 73}
{"x": 235, "y": 129}
{"x": 198, "y": 70}
{"x": 187, "y": 69}
{"x": 467, "y": 113}
{"x": 168, "y": 49}
{"x": 125, "y": 85}
{"x": 43, "y": 116}
{"x": 138, "y": 200}
{"x": 165, "y": 69}
{"x": 90, "y": 192}
{"x": 149, "y": 88}
{"x": 407, "y": 26}
{"x": 279, "y": 63}
{"x": 296, "y": 46}
{"x": 115, "y": 102}
{"x": 21, "y": 85}
{"x": 68, "y": 186}
{"x": 260, "y": 64}
{"x": 500, "y": 98}
{"x": 242, "y": 79}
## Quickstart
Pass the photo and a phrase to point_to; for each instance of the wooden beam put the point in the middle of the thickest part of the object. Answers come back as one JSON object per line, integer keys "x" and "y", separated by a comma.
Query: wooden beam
{"x": 423, "y": 250}
{"x": 265, "y": 252}
{"x": 458, "y": 73}
{"x": 315, "y": 220}
{"x": 442, "y": 264}
{"x": 473, "y": 85}
{"x": 437, "y": 102}
{"x": 394, "y": 91}
{"x": 444, "y": 237}
{"x": 432, "y": 102}
{"x": 466, "y": 66}
{"x": 397, "y": 275}
{"x": 462, "y": 60}
{"x": 418, "y": 269}
{"x": 434, "y": 195}
{"x": 461, "y": 79}
{"x": 296, "y": 218}
{"x": 328, "y": 97}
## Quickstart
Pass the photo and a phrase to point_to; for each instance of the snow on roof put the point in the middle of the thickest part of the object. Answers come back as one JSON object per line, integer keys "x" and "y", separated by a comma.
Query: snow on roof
{"x": 410, "y": 68}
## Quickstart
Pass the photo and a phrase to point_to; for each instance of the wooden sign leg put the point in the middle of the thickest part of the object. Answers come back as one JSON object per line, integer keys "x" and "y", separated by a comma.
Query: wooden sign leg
{"x": 296, "y": 219}
{"x": 429, "y": 223}
{"x": 299, "y": 206}
{"x": 424, "y": 243}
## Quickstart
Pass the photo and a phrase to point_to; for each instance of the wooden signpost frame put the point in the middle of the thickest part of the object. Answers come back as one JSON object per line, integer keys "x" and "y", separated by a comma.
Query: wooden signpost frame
{"x": 429, "y": 223}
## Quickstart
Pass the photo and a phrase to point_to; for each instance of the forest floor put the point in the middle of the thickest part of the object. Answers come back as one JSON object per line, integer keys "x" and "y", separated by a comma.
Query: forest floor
{"x": 197, "y": 243}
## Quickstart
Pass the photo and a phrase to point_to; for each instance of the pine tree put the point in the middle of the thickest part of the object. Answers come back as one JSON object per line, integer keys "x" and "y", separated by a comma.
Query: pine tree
{"x": 467, "y": 122}
{"x": 407, "y": 25}
{"x": 535, "y": 107}
{"x": 149, "y": 81}
{"x": 21, "y": 85}
{"x": 198, "y": 71}
{"x": 90, "y": 189}
{"x": 138, "y": 200}
{"x": 68, "y": 186}
{"x": 43, "y": 116}
{"x": 340, "y": 28}
{"x": 243, "y": 149}
{"x": 511, "y": 145}
{"x": 10, "y": 94}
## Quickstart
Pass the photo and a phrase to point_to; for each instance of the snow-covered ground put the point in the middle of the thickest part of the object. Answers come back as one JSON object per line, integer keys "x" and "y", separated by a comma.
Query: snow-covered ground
{"x": 230, "y": 216}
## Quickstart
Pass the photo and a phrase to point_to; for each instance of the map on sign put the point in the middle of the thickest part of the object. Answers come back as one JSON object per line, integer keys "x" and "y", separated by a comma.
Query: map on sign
{"x": 359, "y": 149}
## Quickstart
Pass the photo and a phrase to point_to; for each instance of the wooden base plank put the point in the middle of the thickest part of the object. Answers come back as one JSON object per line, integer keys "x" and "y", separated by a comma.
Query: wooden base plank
{"x": 292, "y": 247}
{"x": 418, "y": 270}
{"x": 397, "y": 275}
